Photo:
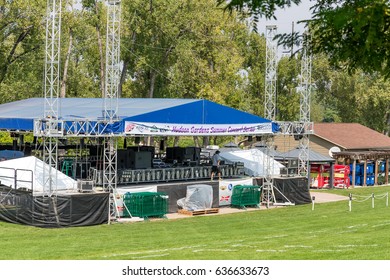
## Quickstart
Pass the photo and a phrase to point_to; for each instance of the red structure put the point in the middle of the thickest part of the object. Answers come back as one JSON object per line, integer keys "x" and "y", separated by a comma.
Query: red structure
{"x": 320, "y": 176}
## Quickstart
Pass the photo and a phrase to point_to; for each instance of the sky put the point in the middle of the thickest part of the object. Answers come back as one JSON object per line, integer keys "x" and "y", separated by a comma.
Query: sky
{"x": 285, "y": 17}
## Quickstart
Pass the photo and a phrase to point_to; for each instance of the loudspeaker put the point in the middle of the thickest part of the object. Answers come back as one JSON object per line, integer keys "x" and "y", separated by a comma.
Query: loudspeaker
{"x": 122, "y": 159}
{"x": 250, "y": 139}
{"x": 169, "y": 154}
{"x": 27, "y": 149}
{"x": 140, "y": 160}
{"x": 258, "y": 138}
{"x": 197, "y": 154}
{"x": 298, "y": 134}
{"x": 184, "y": 154}
{"x": 137, "y": 140}
{"x": 298, "y": 137}
{"x": 93, "y": 150}
{"x": 162, "y": 145}
{"x": 82, "y": 170}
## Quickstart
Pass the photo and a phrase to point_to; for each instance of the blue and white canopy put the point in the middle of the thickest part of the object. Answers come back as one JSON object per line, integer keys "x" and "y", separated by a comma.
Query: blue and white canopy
{"x": 142, "y": 116}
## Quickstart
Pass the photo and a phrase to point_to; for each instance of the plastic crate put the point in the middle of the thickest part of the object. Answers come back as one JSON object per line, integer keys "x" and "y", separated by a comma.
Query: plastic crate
{"x": 145, "y": 204}
{"x": 243, "y": 196}
{"x": 359, "y": 180}
{"x": 382, "y": 167}
{"x": 370, "y": 180}
{"x": 370, "y": 168}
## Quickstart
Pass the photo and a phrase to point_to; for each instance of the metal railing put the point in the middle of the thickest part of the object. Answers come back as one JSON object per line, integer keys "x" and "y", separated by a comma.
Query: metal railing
{"x": 134, "y": 176}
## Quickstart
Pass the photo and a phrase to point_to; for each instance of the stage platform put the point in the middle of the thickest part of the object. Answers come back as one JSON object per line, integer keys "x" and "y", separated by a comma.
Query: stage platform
{"x": 61, "y": 210}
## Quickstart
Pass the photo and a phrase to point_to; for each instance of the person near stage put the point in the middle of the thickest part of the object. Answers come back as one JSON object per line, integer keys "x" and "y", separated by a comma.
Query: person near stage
{"x": 216, "y": 159}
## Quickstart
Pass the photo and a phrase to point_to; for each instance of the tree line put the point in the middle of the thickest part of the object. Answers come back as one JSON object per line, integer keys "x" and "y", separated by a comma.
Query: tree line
{"x": 181, "y": 49}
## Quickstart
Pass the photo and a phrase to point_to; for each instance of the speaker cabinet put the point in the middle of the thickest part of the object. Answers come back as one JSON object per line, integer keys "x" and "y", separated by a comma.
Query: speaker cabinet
{"x": 123, "y": 159}
{"x": 140, "y": 159}
{"x": 162, "y": 145}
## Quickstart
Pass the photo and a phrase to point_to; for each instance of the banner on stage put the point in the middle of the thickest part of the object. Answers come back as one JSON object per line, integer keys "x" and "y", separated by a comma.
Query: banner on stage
{"x": 143, "y": 128}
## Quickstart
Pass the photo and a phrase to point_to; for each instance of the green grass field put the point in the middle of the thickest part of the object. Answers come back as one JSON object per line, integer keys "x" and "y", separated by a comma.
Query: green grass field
{"x": 330, "y": 232}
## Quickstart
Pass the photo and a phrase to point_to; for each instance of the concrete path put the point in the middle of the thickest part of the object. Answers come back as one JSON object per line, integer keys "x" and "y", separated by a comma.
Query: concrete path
{"x": 322, "y": 197}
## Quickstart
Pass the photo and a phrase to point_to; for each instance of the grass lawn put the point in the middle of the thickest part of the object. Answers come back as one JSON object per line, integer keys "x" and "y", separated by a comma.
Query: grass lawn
{"x": 330, "y": 232}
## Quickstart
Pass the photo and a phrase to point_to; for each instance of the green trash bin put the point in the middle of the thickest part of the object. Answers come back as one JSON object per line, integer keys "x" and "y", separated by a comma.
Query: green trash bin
{"x": 244, "y": 196}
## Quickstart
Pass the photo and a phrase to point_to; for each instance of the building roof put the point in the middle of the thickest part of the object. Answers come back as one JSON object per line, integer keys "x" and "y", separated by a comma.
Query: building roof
{"x": 351, "y": 136}
{"x": 363, "y": 155}
{"x": 313, "y": 156}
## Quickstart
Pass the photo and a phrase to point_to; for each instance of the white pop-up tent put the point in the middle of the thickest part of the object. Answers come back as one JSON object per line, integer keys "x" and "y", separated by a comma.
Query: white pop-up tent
{"x": 254, "y": 161}
{"x": 29, "y": 173}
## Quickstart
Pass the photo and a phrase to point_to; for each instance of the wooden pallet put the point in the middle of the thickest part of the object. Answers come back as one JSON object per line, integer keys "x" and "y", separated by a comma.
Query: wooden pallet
{"x": 199, "y": 212}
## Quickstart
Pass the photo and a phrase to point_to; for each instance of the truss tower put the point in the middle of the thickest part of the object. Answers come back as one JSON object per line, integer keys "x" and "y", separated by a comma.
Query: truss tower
{"x": 304, "y": 110}
{"x": 268, "y": 195}
{"x": 50, "y": 127}
{"x": 111, "y": 91}
{"x": 270, "y": 72}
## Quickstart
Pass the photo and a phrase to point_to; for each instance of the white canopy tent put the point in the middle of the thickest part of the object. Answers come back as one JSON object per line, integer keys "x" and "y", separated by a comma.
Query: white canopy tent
{"x": 253, "y": 160}
{"x": 29, "y": 173}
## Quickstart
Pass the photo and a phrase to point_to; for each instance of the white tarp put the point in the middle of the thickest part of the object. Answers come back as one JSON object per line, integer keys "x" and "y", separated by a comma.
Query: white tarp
{"x": 30, "y": 175}
{"x": 198, "y": 197}
{"x": 254, "y": 161}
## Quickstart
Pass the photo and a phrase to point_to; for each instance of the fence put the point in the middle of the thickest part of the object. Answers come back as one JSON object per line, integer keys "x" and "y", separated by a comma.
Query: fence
{"x": 360, "y": 198}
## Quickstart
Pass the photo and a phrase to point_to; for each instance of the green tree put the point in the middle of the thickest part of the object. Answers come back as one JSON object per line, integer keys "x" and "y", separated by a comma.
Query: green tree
{"x": 85, "y": 72}
{"x": 188, "y": 49}
{"x": 346, "y": 97}
{"x": 376, "y": 106}
{"x": 253, "y": 48}
{"x": 94, "y": 16}
{"x": 353, "y": 33}
{"x": 257, "y": 8}
{"x": 147, "y": 44}
{"x": 287, "y": 95}
{"x": 21, "y": 48}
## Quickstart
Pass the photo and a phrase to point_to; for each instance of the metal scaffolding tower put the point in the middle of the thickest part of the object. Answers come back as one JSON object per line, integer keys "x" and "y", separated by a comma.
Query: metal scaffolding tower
{"x": 304, "y": 109}
{"x": 113, "y": 67}
{"x": 111, "y": 91}
{"x": 50, "y": 127}
{"x": 268, "y": 195}
{"x": 270, "y": 72}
